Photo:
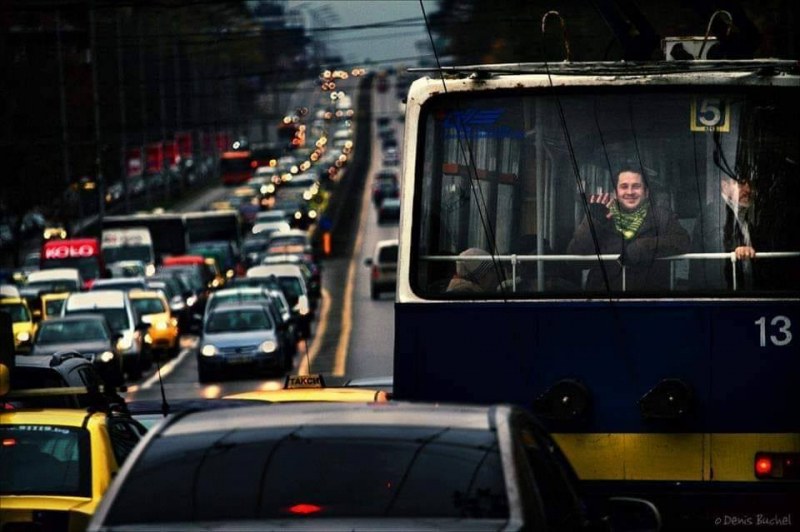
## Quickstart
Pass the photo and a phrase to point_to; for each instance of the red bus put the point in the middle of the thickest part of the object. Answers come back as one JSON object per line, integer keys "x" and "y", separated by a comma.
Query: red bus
{"x": 235, "y": 167}
{"x": 81, "y": 253}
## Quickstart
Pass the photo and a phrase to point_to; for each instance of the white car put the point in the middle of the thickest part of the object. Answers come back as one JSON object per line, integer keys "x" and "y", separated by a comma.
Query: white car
{"x": 383, "y": 264}
{"x": 291, "y": 279}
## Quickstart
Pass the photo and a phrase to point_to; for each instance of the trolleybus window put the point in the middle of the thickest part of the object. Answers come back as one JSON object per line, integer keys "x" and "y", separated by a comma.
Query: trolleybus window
{"x": 498, "y": 174}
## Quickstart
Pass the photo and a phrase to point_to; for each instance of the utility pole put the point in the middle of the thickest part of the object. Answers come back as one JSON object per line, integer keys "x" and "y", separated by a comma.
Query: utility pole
{"x": 163, "y": 108}
{"x": 101, "y": 189}
{"x": 178, "y": 112}
{"x": 143, "y": 99}
{"x": 123, "y": 133}
{"x": 63, "y": 103}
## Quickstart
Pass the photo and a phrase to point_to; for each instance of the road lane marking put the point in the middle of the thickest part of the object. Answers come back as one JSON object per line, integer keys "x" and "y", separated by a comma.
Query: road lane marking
{"x": 347, "y": 309}
{"x": 307, "y": 361}
{"x": 166, "y": 369}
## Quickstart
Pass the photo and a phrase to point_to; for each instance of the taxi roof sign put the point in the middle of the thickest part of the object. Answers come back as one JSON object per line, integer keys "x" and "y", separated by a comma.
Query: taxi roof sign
{"x": 304, "y": 381}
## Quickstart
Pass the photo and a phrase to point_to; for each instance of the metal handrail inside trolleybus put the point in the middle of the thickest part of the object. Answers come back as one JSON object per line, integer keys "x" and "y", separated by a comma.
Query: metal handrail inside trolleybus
{"x": 515, "y": 259}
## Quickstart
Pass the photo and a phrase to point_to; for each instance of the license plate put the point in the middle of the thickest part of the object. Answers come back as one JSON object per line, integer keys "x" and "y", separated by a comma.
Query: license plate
{"x": 238, "y": 359}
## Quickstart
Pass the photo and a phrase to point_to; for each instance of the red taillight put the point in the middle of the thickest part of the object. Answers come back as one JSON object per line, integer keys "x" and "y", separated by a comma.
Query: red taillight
{"x": 763, "y": 466}
{"x": 376, "y": 272}
{"x": 777, "y": 466}
{"x": 9, "y": 442}
{"x": 305, "y": 509}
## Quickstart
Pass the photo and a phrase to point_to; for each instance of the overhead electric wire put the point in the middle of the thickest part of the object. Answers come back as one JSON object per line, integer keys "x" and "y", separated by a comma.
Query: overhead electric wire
{"x": 466, "y": 151}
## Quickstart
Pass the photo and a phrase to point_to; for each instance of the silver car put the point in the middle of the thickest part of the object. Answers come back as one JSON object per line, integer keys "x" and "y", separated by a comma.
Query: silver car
{"x": 239, "y": 336}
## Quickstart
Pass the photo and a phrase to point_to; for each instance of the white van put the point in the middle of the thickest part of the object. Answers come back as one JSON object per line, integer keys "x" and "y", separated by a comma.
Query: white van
{"x": 122, "y": 318}
{"x": 129, "y": 243}
{"x": 292, "y": 282}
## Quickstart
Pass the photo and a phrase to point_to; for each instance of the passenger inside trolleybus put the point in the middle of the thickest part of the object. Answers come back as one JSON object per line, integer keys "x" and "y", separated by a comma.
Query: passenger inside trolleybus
{"x": 516, "y": 177}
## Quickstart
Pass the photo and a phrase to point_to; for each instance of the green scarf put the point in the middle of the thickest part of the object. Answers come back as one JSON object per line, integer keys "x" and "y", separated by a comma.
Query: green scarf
{"x": 628, "y": 223}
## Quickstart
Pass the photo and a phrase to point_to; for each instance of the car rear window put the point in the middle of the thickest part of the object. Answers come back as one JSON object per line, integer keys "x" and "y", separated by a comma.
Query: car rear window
{"x": 387, "y": 254}
{"x": 117, "y": 318}
{"x": 270, "y": 473}
{"x": 45, "y": 460}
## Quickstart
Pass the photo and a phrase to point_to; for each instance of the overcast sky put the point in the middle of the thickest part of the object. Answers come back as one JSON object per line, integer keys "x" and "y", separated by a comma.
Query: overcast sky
{"x": 394, "y": 44}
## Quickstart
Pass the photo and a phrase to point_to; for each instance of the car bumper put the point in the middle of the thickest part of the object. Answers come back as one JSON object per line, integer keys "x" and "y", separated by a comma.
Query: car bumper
{"x": 242, "y": 360}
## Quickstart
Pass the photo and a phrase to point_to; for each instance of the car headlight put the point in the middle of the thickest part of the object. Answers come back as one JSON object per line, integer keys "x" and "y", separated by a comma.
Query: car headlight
{"x": 208, "y": 350}
{"x": 191, "y": 300}
{"x": 106, "y": 356}
{"x": 268, "y": 346}
{"x": 148, "y": 339}
{"x": 177, "y": 306}
{"x": 125, "y": 343}
{"x": 161, "y": 325}
{"x": 23, "y": 336}
{"x": 149, "y": 270}
{"x": 298, "y": 215}
{"x": 303, "y": 310}
{"x": 312, "y": 214}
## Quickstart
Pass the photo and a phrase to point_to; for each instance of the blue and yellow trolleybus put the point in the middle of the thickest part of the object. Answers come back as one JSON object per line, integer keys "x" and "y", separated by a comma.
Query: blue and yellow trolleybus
{"x": 617, "y": 247}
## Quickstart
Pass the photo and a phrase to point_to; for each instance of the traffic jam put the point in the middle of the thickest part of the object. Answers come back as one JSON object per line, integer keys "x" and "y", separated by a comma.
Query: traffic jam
{"x": 237, "y": 288}
{"x": 202, "y": 327}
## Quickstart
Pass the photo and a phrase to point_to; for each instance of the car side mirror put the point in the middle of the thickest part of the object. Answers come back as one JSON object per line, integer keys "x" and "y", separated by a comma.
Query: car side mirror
{"x": 368, "y": 261}
{"x": 37, "y": 315}
{"x": 629, "y": 513}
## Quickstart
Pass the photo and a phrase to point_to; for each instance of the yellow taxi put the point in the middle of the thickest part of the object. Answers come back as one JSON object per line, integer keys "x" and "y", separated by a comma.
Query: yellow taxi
{"x": 302, "y": 388}
{"x": 58, "y": 464}
{"x": 152, "y": 306}
{"x": 22, "y": 322}
{"x": 52, "y": 304}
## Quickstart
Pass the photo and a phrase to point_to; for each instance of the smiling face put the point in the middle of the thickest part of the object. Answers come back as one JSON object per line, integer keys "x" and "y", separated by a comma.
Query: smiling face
{"x": 631, "y": 190}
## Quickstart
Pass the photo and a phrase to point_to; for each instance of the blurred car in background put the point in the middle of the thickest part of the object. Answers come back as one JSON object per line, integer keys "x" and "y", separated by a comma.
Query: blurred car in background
{"x": 22, "y": 322}
{"x": 162, "y": 336}
{"x": 237, "y": 336}
{"x": 383, "y": 268}
{"x": 385, "y": 185}
{"x": 87, "y": 335}
{"x": 389, "y": 211}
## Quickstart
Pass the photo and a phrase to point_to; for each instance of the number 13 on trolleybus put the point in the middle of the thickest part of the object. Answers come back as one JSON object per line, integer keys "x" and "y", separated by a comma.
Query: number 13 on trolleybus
{"x": 616, "y": 247}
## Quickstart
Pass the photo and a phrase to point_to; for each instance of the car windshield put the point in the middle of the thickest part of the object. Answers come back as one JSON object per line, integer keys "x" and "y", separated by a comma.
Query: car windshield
{"x": 70, "y": 331}
{"x": 45, "y": 460}
{"x": 238, "y": 320}
{"x": 18, "y": 311}
{"x": 218, "y": 299}
{"x": 149, "y": 305}
{"x": 53, "y": 307}
{"x": 117, "y": 254}
{"x": 291, "y": 287}
{"x": 59, "y": 285}
{"x": 268, "y": 473}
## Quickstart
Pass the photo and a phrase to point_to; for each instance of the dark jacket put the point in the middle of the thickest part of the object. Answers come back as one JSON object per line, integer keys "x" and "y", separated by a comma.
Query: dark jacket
{"x": 715, "y": 231}
{"x": 659, "y": 236}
